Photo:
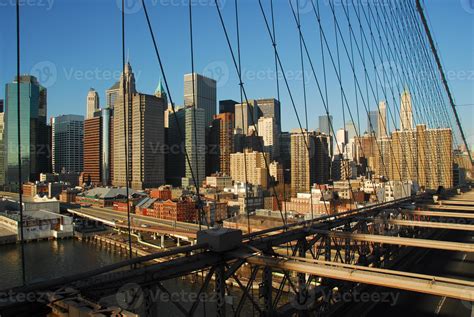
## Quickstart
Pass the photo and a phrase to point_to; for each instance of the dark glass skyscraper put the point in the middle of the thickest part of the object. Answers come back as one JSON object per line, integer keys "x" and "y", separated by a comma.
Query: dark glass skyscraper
{"x": 67, "y": 138}
{"x": 35, "y": 133}
{"x": 270, "y": 108}
{"x": 227, "y": 106}
{"x": 372, "y": 122}
{"x": 325, "y": 124}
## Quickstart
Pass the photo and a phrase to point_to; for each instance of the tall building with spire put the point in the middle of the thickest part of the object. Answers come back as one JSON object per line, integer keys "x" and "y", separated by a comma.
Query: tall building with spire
{"x": 92, "y": 103}
{"x": 406, "y": 111}
{"x": 160, "y": 92}
{"x": 138, "y": 136}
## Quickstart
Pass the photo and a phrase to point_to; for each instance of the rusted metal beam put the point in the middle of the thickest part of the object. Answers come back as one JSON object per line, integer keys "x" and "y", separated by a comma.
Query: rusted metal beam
{"x": 439, "y": 214}
{"x": 452, "y": 207}
{"x": 409, "y": 242}
{"x": 431, "y": 224}
{"x": 433, "y": 285}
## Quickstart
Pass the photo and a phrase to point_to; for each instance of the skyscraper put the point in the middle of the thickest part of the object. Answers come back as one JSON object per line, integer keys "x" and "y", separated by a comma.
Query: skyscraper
{"x": 92, "y": 150}
{"x": 2, "y": 147}
{"x": 268, "y": 130}
{"x": 404, "y": 155}
{"x": 366, "y": 151}
{"x": 435, "y": 157}
{"x": 285, "y": 154}
{"x": 423, "y": 155}
{"x": 92, "y": 103}
{"x": 224, "y": 122}
{"x": 325, "y": 124}
{"x": 227, "y": 106}
{"x": 111, "y": 95}
{"x": 175, "y": 158}
{"x": 195, "y": 142}
{"x": 202, "y": 95}
{"x": 382, "y": 127}
{"x": 107, "y": 142}
{"x": 67, "y": 143}
{"x": 255, "y": 171}
{"x": 351, "y": 130}
{"x": 322, "y": 157}
{"x": 270, "y": 108}
{"x": 35, "y": 133}
{"x": 246, "y": 115}
{"x": 250, "y": 142}
{"x": 372, "y": 122}
{"x": 383, "y": 162}
{"x": 308, "y": 166}
{"x": 341, "y": 141}
{"x": 406, "y": 111}
{"x": 139, "y": 133}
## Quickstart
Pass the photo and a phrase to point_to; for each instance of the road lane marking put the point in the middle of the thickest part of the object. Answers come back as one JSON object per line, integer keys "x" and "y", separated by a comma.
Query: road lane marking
{"x": 440, "y": 305}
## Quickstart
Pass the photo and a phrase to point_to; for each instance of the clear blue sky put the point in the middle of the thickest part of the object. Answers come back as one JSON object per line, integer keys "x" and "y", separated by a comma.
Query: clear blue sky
{"x": 79, "y": 42}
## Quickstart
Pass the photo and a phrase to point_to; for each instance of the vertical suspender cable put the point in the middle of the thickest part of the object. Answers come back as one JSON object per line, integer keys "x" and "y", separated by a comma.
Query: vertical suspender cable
{"x": 443, "y": 77}
{"x": 126, "y": 123}
{"x": 278, "y": 98}
{"x": 20, "y": 188}
{"x": 239, "y": 73}
{"x": 304, "y": 97}
{"x": 173, "y": 108}
{"x": 241, "y": 84}
{"x": 196, "y": 183}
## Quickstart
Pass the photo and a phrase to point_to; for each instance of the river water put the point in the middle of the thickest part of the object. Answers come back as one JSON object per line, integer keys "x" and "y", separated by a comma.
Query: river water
{"x": 49, "y": 259}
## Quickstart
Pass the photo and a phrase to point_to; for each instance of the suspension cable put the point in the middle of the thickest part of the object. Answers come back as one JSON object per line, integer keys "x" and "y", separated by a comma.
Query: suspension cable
{"x": 244, "y": 140}
{"x": 126, "y": 125}
{"x": 191, "y": 42}
{"x": 20, "y": 178}
{"x": 305, "y": 134}
{"x": 239, "y": 74}
{"x": 441, "y": 72}
{"x": 173, "y": 108}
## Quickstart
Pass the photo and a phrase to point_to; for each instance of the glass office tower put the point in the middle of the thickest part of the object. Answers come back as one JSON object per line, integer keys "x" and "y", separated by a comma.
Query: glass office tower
{"x": 35, "y": 133}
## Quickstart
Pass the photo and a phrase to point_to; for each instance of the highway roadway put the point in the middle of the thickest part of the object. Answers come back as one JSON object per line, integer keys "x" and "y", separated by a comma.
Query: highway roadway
{"x": 138, "y": 222}
{"x": 449, "y": 264}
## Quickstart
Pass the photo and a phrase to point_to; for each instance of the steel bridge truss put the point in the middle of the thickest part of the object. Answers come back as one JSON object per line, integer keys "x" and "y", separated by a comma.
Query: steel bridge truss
{"x": 303, "y": 267}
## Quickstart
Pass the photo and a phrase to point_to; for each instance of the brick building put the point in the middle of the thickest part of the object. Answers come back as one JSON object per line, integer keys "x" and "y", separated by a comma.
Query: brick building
{"x": 179, "y": 210}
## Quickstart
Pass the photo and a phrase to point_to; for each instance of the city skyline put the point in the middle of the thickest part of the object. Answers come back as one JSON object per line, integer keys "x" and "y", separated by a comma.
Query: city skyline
{"x": 73, "y": 80}
{"x": 280, "y": 156}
